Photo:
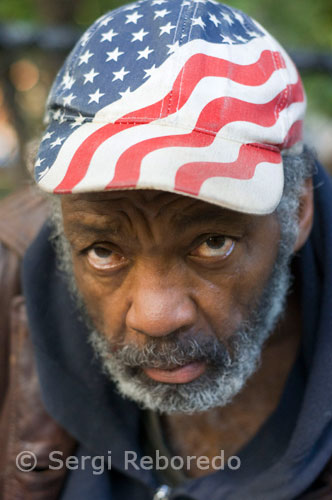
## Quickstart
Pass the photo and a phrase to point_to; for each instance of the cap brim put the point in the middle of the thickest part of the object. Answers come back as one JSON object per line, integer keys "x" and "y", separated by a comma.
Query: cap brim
{"x": 244, "y": 177}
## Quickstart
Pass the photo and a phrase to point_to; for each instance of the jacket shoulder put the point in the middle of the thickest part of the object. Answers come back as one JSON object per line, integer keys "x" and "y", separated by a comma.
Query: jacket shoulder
{"x": 23, "y": 418}
{"x": 21, "y": 216}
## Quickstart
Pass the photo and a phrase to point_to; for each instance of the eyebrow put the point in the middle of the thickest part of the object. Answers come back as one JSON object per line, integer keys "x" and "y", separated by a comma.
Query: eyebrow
{"x": 216, "y": 217}
{"x": 81, "y": 227}
{"x": 182, "y": 222}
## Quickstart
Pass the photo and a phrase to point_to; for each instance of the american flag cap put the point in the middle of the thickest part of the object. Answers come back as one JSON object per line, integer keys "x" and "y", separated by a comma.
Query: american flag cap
{"x": 192, "y": 97}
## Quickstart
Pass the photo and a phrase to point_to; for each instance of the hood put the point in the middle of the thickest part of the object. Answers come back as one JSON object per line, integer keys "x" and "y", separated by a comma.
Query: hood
{"x": 290, "y": 449}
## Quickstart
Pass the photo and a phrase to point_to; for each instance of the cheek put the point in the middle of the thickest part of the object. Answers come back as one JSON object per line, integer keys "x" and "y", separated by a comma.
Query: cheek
{"x": 102, "y": 302}
{"x": 228, "y": 299}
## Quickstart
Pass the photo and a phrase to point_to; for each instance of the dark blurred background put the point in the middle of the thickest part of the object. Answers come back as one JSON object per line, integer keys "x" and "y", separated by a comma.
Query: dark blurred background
{"x": 36, "y": 35}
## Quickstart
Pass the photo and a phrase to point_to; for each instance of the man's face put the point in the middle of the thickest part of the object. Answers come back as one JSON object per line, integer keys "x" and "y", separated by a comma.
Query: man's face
{"x": 181, "y": 293}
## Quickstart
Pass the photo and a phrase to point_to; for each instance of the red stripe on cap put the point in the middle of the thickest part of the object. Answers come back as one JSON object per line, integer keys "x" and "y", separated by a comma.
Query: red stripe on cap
{"x": 252, "y": 75}
{"x": 215, "y": 115}
{"x": 190, "y": 177}
{"x": 294, "y": 135}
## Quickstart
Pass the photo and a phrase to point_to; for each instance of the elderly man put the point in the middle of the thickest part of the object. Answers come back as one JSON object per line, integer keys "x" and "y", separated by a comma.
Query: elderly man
{"x": 181, "y": 351}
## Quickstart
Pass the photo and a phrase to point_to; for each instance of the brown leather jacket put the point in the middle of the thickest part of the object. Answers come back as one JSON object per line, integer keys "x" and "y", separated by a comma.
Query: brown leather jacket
{"x": 24, "y": 423}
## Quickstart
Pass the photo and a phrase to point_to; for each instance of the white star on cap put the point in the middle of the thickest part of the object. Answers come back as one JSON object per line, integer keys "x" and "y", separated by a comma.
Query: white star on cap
{"x": 105, "y": 22}
{"x": 131, "y": 7}
{"x": 240, "y": 38}
{"x": 57, "y": 142}
{"x": 125, "y": 93}
{"x": 62, "y": 118}
{"x": 133, "y": 18}
{"x": 173, "y": 47}
{"x": 227, "y": 18}
{"x": 158, "y": 2}
{"x": 119, "y": 75}
{"x": 78, "y": 121}
{"x": 198, "y": 21}
{"x": 39, "y": 162}
{"x": 239, "y": 17}
{"x": 67, "y": 100}
{"x": 85, "y": 38}
{"x": 70, "y": 83}
{"x": 214, "y": 20}
{"x": 85, "y": 57}
{"x": 108, "y": 36}
{"x": 252, "y": 33}
{"x": 144, "y": 53}
{"x": 227, "y": 39}
{"x": 89, "y": 77}
{"x": 149, "y": 72}
{"x": 95, "y": 97}
{"x": 114, "y": 55}
{"x": 57, "y": 114}
{"x": 139, "y": 35}
{"x": 161, "y": 13}
{"x": 166, "y": 29}
{"x": 43, "y": 172}
{"x": 67, "y": 81}
{"x": 47, "y": 136}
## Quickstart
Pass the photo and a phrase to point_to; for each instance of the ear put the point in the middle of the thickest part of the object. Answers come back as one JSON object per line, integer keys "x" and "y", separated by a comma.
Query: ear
{"x": 306, "y": 214}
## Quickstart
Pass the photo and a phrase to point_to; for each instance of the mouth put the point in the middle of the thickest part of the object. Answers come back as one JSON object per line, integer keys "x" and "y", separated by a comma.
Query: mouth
{"x": 177, "y": 375}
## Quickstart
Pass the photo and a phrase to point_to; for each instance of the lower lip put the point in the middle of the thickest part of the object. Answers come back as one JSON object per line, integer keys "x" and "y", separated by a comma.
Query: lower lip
{"x": 180, "y": 375}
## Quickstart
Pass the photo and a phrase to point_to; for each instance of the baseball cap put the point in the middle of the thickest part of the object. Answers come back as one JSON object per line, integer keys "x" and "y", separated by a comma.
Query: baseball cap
{"x": 192, "y": 97}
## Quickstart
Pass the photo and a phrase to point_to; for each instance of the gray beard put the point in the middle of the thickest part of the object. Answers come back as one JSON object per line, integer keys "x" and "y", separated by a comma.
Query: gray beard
{"x": 228, "y": 366}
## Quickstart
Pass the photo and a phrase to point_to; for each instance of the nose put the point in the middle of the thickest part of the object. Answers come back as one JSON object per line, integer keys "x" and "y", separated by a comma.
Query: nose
{"x": 160, "y": 304}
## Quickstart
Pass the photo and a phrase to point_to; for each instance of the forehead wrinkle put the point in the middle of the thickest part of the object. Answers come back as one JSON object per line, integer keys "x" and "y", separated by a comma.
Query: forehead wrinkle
{"x": 92, "y": 219}
{"x": 149, "y": 213}
{"x": 142, "y": 196}
{"x": 108, "y": 221}
{"x": 218, "y": 217}
{"x": 149, "y": 201}
{"x": 135, "y": 210}
{"x": 169, "y": 203}
{"x": 106, "y": 224}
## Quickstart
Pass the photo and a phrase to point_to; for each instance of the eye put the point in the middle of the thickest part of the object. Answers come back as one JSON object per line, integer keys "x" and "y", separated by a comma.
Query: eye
{"x": 215, "y": 246}
{"x": 104, "y": 258}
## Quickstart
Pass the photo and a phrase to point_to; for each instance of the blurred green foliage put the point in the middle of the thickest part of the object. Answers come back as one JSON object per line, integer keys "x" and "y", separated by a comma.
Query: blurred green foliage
{"x": 319, "y": 91}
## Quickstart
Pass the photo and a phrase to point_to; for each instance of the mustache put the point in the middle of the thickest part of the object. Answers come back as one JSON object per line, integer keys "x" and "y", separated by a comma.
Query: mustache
{"x": 171, "y": 353}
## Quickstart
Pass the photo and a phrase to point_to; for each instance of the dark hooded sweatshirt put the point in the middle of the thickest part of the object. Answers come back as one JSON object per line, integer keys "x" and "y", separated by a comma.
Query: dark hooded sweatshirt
{"x": 280, "y": 462}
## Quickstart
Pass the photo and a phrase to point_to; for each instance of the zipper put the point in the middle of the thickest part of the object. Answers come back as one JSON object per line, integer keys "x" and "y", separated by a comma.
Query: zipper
{"x": 162, "y": 493}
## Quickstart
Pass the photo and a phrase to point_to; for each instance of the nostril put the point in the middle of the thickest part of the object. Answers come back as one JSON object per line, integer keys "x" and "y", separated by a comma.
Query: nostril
{"x": 170, "y": 333}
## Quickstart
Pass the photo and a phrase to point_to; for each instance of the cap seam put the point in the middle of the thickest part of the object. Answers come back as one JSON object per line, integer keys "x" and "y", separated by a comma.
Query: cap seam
{"x": 184, "y": 24}
{"x": 189, "y": 38}
{"x": 202, "y": 131}
{"x": 275, "y": 46}
{"x": 167, "y": 102}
